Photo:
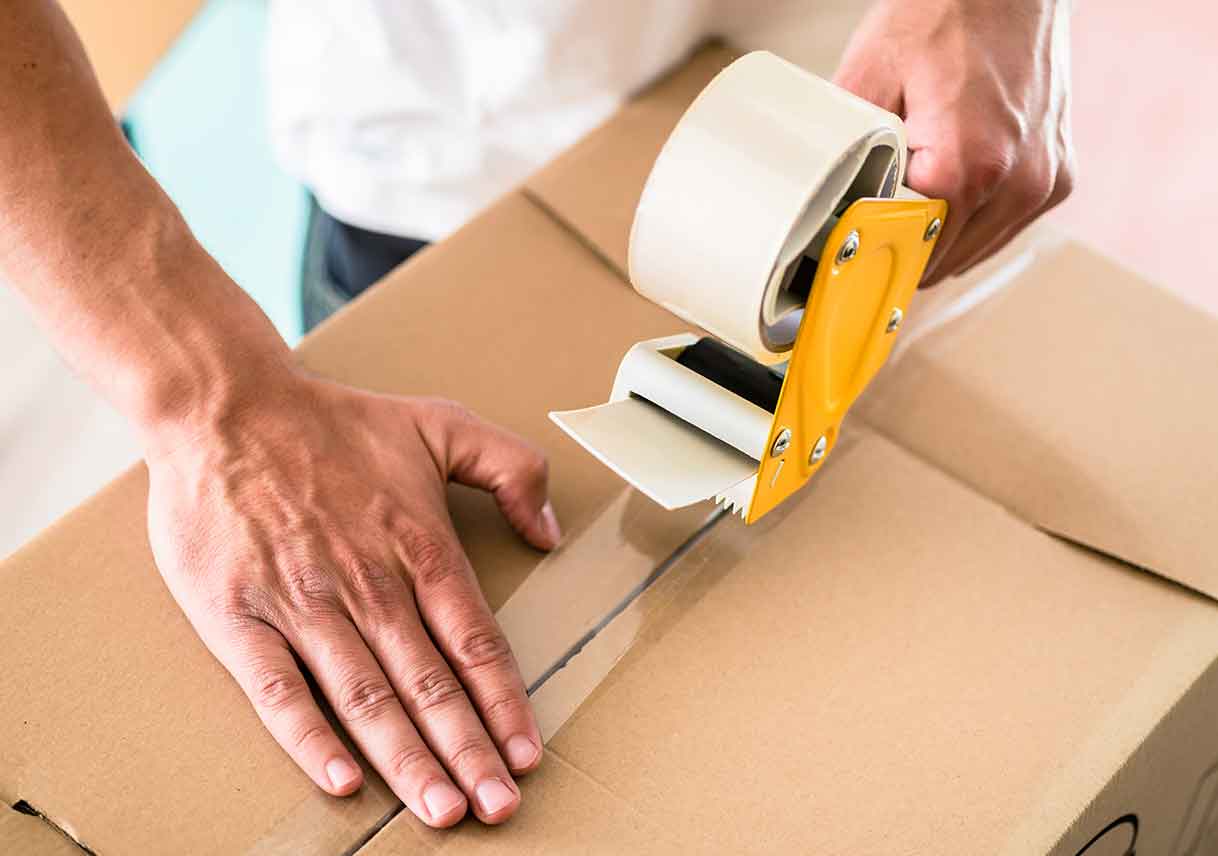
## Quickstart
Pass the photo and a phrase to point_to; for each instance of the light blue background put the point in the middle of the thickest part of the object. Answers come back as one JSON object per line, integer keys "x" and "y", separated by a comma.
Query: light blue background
{"x": 199, "y": 122}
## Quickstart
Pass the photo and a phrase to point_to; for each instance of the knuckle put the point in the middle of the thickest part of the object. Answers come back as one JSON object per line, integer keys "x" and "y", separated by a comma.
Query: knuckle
{"x": 240, "y": 603}
{"x": 365, "y": 699}
{"x": 310, "y": 589}
{"x": 407, "y": 760}
{"x": 468, "y": 752}
{"x": 433, "y": 687}
{"x": 308, "y": 733}
{"x": 444, "y": 409}
{"x": 1032, "y": 191}
{"x": 481, "y": 647}
{"x": 429, "y": 555}
{"x": 986, "y": 170}
{"x": 377, "y": 586}
{"x": 536, "y": 465}
{"x": 968, "y": 165}
{"x": 503, "y": 707}
{"x": 275, "y": 688}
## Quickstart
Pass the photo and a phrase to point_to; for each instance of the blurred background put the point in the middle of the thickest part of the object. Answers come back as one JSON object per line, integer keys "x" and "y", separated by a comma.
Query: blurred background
{"x": 1145, "y": 132}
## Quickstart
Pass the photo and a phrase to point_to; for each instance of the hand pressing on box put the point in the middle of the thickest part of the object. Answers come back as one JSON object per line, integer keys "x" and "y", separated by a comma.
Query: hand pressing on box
{"x": 310, "y": 522}
{"x": 984, "y": 89}
{"x": 302, "y": 525}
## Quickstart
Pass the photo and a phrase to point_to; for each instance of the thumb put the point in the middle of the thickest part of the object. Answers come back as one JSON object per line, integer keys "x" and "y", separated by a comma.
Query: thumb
{"x": 514, "y": 471}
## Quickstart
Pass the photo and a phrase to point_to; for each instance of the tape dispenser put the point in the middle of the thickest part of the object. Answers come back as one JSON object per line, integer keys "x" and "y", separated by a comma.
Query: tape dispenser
{"x": 774, "y": 219}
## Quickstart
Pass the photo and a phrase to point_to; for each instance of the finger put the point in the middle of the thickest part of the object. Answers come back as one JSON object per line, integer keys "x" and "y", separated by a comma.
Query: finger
{"x": 868, "y": 74}
{"x": 485, "y": 456}
{"x": 466, "y": 633}
{"x": 870, "y": 80}
{"x": 368, "y": 708}
{"x": 1062, "y": 188}
{"x": 1019, "y": 200}
{"x": 260, "y": 660}
{"x": 931, "y": 176}
{"x": 437, "y": 703}
{"x": 967, "y": 177}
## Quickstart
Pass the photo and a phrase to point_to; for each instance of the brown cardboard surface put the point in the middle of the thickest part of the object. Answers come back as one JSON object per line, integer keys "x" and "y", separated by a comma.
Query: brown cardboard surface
{"x": 619, "y": 154}
{"x": 513, "y": 321}
{"x": 114, "y": 720}
{"x": 892, "y": 662}
{"x": 1170, "y": 784}
{"x": 1082, "y": 397}
{"x": 1078, "y": 396}
{"x": 599, "y": 821}
{"x": 126, "y": 40}
{"x": 929, "y": 676}
{"x": 118, "y": 725}
{"x": 594, "y": 821}
{"x": 32, "y": 836}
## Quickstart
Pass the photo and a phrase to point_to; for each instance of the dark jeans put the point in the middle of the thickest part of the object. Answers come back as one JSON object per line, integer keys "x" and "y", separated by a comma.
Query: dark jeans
{"x": 341, "y": 261}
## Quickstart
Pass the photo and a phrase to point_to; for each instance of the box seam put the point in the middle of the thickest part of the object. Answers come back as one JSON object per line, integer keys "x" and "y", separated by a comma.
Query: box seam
{"x": 24, "y": 807}
{"x": 879, "y": 428}
{"x": 573, "y": 232}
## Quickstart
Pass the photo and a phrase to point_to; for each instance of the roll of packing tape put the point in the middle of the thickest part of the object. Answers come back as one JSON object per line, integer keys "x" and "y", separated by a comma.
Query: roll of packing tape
{"x": 748, "y": 185}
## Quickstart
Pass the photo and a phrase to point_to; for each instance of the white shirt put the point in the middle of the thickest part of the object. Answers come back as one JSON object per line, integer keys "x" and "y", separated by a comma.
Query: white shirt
{"x": 407, "y": 116}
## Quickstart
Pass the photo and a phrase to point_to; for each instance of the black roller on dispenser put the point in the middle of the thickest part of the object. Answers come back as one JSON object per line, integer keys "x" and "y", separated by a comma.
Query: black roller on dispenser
{"x": 734, "y": 372}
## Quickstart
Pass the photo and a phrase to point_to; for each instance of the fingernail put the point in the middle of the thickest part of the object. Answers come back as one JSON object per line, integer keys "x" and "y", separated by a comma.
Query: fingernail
{"x": 441, "y": 799}
{"x": 549, "y": 524}
{"x": 342, "y": 773}
{"x": 493, "y": 796}
{"x": 521, "y": 752}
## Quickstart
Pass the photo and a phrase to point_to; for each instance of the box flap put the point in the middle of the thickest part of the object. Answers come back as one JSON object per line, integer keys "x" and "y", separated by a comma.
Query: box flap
{"x": 118, "y": 725}
{"x": 1080, "y": 396}
{"x": 30, "y": 835}
{"x": 821, "y": 667}
{"x": 595, "y": 185}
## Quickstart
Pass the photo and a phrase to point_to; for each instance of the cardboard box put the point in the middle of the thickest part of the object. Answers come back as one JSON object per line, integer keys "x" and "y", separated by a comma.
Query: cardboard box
{"x": 914, "y": 655}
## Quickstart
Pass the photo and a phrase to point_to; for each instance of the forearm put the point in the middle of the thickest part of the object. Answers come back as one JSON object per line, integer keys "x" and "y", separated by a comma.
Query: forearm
{"x": 101, "y": 255}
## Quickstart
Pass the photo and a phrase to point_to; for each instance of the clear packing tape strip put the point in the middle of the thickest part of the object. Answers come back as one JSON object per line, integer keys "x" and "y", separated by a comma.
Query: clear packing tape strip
{"x": 740, "y": 221}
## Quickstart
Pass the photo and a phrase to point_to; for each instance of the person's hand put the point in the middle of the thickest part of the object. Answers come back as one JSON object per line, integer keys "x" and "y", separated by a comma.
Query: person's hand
{"x": 311, "y": 522}
{"x": 983, "y": 87}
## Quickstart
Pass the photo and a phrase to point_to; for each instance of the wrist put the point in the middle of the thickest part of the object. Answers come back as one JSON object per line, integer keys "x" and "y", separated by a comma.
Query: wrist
{"x": 214, "y": 387}
{"x": 197, "y": 349}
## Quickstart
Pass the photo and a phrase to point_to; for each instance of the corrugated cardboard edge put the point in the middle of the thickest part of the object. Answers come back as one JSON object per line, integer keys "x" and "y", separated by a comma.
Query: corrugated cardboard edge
{"x": 1112, "y": 536}
{"x": 1181, "y": 665}
{"x": 1177, "y": 816}
{"x": 33, "y": 835}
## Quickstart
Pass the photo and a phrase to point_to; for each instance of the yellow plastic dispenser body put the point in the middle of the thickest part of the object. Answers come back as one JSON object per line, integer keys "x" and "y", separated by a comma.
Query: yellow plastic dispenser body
{"x": 770, "y": 170}
{"x": 874, "y": 259}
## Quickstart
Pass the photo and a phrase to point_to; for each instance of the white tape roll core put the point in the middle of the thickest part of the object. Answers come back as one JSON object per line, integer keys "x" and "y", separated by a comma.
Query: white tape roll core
{"x": 750, "y": 178}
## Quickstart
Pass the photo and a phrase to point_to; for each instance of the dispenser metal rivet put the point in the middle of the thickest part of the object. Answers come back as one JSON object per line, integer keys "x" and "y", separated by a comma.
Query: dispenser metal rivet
{"x": 818, "y": 451}
{"x": 850, "y": 248}
{"x": 781, "y": 443}
{"x": 894, "y": 320}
